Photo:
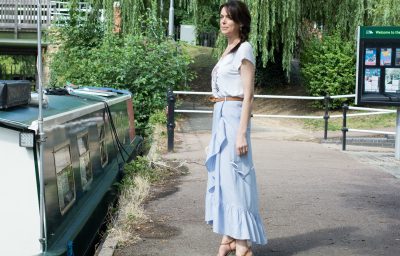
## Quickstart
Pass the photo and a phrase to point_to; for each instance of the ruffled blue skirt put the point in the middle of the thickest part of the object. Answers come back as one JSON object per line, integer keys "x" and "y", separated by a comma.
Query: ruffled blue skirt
{"x": 231, "y": 197}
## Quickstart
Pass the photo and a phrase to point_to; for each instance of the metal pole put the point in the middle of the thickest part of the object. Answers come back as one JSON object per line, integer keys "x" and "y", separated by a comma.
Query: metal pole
{"x": 397, "y": 152}
{"x": 171, "y": 19}
{"x": 326, "y": 116}
{"x": 16, "y": 21}
{"x": 41, "y": 137}
{"x": 171, "y": 119}
{"x": 344, "y": 128}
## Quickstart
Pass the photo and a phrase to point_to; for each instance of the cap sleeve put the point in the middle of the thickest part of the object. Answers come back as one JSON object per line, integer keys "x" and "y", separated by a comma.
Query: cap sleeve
{"x": 245, "y": 51}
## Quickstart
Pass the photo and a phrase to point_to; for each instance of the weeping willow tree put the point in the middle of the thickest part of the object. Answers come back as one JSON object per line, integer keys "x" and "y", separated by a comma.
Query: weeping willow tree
{"x": 276, "y": 24}
{"x": 384, "y": 12}
{"x": 131, "y": 10}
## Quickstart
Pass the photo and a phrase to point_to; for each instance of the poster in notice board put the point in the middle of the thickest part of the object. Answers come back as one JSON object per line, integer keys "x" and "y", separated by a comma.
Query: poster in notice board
{"x": 386, "y": 56}
{"x": 397, "y": 61}
{"x": 371, "y": 79}
{"x": 370, "y": 56}
{"x": 392, "y": 80}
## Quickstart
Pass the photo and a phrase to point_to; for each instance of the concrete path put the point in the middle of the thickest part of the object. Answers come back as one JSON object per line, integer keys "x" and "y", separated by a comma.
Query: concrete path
{"x": 314, "y": 198}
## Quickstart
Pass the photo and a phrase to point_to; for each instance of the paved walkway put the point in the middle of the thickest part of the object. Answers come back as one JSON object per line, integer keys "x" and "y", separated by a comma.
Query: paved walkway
{"x": 314, "y": 198}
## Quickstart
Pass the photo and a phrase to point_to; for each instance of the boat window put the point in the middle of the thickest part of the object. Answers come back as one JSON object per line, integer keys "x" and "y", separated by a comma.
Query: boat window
{"x": 65, "y": 178}
{"x": 85, "y": 165}
{"x": 122, "y": 127}
{"x": 103, "y": 145}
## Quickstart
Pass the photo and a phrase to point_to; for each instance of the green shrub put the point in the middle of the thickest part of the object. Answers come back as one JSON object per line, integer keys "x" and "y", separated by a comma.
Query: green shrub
{"x": 156, "y": 118}
{"x": 141, "y": 167}
{"x": 145, "y": 67}
{"x": 146, "y": 62}
{"x": 328, "y": 67}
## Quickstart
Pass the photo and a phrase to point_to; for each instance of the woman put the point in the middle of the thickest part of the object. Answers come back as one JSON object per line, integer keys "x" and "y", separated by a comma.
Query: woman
{"x": 231, "y": 198}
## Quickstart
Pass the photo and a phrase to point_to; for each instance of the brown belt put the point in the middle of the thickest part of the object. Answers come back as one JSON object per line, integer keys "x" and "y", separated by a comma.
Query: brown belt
{"x": 213, "y": 99}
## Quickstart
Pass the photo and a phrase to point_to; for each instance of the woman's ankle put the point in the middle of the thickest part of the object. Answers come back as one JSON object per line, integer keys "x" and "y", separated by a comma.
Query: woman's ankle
{"x": 227, "y": 239}
{"x": 242, "y": 247}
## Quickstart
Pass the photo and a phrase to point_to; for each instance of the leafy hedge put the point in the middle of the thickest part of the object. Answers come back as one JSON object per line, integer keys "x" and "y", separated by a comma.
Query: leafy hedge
{"x": 145, "y": 67}
{"x": 146, "y": 62}
{"x": 328, "y": 67}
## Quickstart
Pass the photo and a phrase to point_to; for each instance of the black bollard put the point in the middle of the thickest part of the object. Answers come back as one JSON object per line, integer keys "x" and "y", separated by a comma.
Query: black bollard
{"x": 170, "y": 119}
{"x": 326, "y": 116}
{"x": 344, "y": 128}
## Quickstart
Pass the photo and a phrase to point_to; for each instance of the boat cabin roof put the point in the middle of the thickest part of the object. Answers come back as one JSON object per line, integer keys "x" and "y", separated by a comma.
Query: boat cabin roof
{"x": 24, "y": 117}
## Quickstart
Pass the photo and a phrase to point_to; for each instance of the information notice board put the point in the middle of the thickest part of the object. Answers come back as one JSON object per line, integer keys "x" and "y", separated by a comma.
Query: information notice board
{"x": 378, "y": 66}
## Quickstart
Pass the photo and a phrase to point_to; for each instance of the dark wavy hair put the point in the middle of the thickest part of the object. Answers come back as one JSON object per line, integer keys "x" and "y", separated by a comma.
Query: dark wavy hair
{"x": 240, "y": 14}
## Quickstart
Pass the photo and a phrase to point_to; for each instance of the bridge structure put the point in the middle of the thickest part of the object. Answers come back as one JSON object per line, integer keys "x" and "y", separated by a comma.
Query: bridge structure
{"x": 18, "y": 26}
{"x": 18, "y": 22}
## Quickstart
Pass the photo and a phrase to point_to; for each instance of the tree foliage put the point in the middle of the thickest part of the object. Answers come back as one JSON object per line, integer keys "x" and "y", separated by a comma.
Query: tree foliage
{"x": 276, "y": 24}
{"x": 328, "y": 67}
{"x": 142, "y": 60}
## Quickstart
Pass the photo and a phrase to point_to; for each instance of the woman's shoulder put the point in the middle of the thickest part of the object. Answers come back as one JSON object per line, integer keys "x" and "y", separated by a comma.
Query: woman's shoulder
{"x": 245, "y": 46}
{"x": 245, "y": 51}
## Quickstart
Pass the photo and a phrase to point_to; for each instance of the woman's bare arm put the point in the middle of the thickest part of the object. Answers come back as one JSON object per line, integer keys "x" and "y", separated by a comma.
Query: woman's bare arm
{"x": 247, "y": 71}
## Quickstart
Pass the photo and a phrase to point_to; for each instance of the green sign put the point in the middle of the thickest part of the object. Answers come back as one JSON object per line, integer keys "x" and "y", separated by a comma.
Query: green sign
{"x": 378, "y": 70}
{"x": 380, "y": 32}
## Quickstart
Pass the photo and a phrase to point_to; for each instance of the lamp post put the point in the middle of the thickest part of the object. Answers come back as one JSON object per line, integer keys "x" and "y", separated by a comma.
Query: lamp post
{"x": 171, "y": 19}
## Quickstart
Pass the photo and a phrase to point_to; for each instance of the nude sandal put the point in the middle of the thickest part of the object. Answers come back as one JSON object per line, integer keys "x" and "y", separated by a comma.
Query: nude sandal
{"x": 228, "y": 243}
{"x": 248, "y": 252}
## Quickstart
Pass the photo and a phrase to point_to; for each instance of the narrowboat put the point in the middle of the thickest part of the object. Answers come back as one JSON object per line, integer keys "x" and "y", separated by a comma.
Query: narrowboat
{"x": 89, "y": 136}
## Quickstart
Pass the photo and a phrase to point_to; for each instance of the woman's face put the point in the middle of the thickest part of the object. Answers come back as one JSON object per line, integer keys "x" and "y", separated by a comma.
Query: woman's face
{"x": 227, "y": 26}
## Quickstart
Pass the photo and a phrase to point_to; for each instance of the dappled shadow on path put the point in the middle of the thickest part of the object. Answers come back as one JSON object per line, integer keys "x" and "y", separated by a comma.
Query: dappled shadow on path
{"x": 334, "y": 241}
{"x": 287, "y": 246}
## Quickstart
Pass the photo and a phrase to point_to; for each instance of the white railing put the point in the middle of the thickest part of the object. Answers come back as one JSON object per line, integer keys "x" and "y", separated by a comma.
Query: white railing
{"x": 326, "y": 116}
{"x": 269, "y": 97}
{"x": 372, "y": 111}
{"x": 22, "y": 14}
{"x": 60, "y": 10}
{"x": 171, "y": 109}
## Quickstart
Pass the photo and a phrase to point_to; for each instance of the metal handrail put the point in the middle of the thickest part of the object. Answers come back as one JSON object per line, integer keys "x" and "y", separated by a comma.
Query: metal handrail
{"x": 345, "y": 129}
{"x": 371, "y": 131}
{"x": 288, "y": 116}
{"x": 274, "y": 96}
{"x": 362, "y": 114}
{"x": 171, "y": 109}
{"x": 326, "y": 116}
{"x": 372, "y": 109}
{"x": 289, "y": 97}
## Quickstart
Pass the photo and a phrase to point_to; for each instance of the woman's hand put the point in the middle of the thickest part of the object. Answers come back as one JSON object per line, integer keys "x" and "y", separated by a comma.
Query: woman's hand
{"x": 241, "y": 145}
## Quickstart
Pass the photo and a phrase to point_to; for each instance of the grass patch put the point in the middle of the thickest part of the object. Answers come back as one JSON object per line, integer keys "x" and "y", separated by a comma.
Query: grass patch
{"x": 140, "y": 167}
{"x": 130, "y": 210}
{"x": 134, "y": 189}
{"x": 361, "y": 122}
{"x": 202, "y": 56}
